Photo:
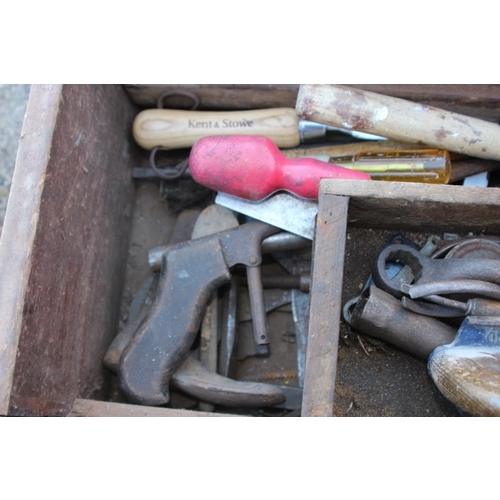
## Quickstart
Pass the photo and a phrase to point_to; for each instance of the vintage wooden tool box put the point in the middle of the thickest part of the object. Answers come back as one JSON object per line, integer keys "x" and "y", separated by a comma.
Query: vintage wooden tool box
{"x": 73, "y": 254}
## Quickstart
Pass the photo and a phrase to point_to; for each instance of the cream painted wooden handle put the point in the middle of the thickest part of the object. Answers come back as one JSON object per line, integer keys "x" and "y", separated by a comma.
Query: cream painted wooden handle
{"x": 469, "y": 377}
{"x": 398, "y": 119}
{"x": 173, "y": 128}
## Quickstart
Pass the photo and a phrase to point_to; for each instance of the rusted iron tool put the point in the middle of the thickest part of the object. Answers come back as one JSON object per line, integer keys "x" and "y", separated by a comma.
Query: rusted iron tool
{"x": 278, "y": 242}
{"x": 190, "y": 378}
{"x": 193, "y": 379}
{"x": 212, "y": 219}
{"x": 382, "y": 316}
{"x": 428, "y": 270}
{"x": 447, "y": 307}
{"x": 190, "y": 272}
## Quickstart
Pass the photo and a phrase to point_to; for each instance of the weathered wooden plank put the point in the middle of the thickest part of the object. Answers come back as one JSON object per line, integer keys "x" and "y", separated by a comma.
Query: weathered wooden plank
{"x": 325, "y": 307}
{"x": 415, "y": 206}
{"x": 21, "y": 221}
{"x": 68, "y": 313}
{"x": 480, "y": 101}
{"x": 89, "y": 408}
{"x": 218, "y": 97}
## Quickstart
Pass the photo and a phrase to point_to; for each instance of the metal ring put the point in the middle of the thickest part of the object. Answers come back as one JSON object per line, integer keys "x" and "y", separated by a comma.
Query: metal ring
{"x": 405, "y": 255}
{"x": 186, "y": 93}
{"x": 180, "y": 168}
{"x": 346, "y": 310}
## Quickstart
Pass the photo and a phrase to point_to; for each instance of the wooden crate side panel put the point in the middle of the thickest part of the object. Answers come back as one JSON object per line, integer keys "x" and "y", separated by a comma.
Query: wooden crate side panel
{"x": 480, "y": 101}
{"x": 420, "y": 207}
{"x": 21, "y": 220}
{"x": 79, "y": 253}
{"x": 326, "y": 298}
{"x": 89, "y": 408}
{"x": 215, "y": 97}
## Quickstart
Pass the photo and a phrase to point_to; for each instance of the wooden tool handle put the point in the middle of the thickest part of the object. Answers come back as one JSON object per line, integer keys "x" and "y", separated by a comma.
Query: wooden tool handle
{"x": 173, "y": 128}
{"x": 467, "y": 371}
{"x": 398, "y": 119}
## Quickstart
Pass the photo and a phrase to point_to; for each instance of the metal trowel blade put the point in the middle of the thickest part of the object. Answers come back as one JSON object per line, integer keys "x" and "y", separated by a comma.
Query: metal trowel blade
{"x": 286, "y": 211}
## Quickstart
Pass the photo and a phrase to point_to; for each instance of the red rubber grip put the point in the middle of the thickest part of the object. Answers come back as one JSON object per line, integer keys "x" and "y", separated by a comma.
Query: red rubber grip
{"x": 252, "y": 167}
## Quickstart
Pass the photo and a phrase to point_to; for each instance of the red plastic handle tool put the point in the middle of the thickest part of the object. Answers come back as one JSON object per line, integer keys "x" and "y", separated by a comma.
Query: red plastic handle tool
{"x": 252, "y": 167}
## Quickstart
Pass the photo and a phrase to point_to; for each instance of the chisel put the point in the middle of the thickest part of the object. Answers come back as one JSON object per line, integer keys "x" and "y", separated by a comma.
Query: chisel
{"x": 175, "y": 128}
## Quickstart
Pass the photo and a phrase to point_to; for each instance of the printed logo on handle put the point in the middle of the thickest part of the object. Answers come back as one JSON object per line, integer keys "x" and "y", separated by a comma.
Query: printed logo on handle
{"x": 208, "y": 124}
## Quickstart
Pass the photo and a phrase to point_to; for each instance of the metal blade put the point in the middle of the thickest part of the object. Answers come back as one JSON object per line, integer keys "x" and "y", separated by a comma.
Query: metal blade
{"x": 291, "y": 213}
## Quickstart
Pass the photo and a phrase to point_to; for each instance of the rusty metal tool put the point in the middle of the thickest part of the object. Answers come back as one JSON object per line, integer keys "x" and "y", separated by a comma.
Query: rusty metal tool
{"x": 300, "y": 281}
{"x": 398, "y": 273}
{"x": 451, "y": 308}
{"x": 187, "y": 379}
{"x": 380, "y": 315}
{"x": 446, "y": 287}
{"x": 467, "y": 370}
{"x": 484, "y": 247}
{"x": 470, "y": 247}
{"x": 299, "y": 266}
{"x": 272, "y": 298}
{"x": 194, "y": 379}
{"x": 398, "y": 119}
{"x": 464, "y": 365}
{"x": 214, "y": 389}
{"x": 190, "y": 272}
{"x": 212, "y": 219}
{"x": 275, "y": 243}
{"x": 227, "y": 358}
{"x": 428, "y": 270}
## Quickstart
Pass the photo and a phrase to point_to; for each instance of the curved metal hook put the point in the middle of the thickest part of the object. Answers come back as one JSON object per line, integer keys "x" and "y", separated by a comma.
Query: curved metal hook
{"x": 176, "y": 171}
{"x": 180, "y": 168}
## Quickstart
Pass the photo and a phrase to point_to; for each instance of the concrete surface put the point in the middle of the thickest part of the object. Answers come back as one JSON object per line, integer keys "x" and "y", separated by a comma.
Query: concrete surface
{"x": 13, "y": 101}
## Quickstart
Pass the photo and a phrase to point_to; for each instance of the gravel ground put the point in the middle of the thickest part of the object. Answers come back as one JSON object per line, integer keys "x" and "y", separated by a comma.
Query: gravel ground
{"x": 13, "y": 100}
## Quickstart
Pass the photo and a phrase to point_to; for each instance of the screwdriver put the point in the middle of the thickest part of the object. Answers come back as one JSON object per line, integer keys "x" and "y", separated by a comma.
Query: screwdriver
{"x": 174, "y": 128}
{"x": 432, "y": 166}
{"x": 252, "y": 167}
